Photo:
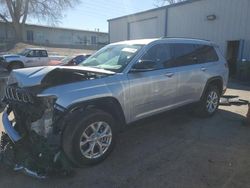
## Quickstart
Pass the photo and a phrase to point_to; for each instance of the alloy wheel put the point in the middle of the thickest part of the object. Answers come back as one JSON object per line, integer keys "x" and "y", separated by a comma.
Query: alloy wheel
{"x": 95, "y": 140}
{"x": 212, "y": 102}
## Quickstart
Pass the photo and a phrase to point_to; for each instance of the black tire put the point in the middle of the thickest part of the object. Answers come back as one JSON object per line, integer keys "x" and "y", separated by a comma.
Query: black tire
{"x": 15, "y": 65}
{"x": 202, "y": 109}
{"x": 73, "y": 132}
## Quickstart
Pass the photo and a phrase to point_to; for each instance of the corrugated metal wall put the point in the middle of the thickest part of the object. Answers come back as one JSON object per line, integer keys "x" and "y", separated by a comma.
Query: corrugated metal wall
{"x": 121, "y": 28}
{"x": 232, "y": 22}
{"x": 190, "y": 20}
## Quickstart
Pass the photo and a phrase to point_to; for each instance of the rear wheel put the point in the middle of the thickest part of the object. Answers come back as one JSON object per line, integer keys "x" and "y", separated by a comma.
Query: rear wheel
{"x": 209, "y": 102}
{"x": 91, "y": 138}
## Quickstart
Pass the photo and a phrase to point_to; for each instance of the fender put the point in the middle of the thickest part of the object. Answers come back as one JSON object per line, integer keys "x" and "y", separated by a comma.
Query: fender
{"x": 15, "y": 61}
{"x": 107, "y": 104}
{"x": 217, "y": 80}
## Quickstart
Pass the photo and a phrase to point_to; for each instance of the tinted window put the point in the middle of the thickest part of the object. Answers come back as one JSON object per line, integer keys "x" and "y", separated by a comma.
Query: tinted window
{"x": 160, "y": 54}
{"x": 34, "y": 53}
{"x": 189, "y": 54}
{"x": 181, "y": 55}
{"x": 43, "y": 53}
{"x": 206, "y": 54}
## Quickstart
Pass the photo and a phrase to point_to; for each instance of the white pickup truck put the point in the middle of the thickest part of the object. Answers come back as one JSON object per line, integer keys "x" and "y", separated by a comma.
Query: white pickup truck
{"x": 30, "y": 57}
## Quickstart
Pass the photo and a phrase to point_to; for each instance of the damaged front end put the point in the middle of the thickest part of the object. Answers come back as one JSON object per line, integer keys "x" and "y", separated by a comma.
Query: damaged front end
{"x": 31, "y": 142}
{"x": 34, "y": 122}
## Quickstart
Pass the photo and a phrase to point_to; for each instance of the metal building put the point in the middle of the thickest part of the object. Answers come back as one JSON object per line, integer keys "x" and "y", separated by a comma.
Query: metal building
{"x": 226, "y": 22}
{"x": 45, "y": 35}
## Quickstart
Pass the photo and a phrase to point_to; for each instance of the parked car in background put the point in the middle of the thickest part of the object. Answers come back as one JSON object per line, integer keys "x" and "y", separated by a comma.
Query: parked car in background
{"x": 82, "y": 108}
{"x": 70, "y": 60}
{"x": 30, "y": 57}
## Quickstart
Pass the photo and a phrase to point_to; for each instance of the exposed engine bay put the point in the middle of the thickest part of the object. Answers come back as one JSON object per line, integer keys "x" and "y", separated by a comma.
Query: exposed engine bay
{"x": 32, "y": 143}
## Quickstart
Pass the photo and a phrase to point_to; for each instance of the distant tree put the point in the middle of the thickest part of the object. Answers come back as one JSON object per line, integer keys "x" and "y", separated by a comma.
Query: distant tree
{"x": 160, "y": 3}
{"x": 16, "y": 12}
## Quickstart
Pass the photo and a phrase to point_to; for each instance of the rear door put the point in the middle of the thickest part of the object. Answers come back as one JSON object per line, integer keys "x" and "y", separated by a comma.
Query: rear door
{"x": 208, "y": 60}
{"x": 190, "y": 76}
{"x": 153, "y": 91}
{"x": 43, "y": 59}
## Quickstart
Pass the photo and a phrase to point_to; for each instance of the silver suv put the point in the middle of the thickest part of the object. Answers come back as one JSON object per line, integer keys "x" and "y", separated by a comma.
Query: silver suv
{"x": 79, "y": 110}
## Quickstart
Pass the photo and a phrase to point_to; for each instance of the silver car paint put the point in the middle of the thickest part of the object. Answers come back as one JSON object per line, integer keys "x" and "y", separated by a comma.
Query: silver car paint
{"x": 141, "y": 94}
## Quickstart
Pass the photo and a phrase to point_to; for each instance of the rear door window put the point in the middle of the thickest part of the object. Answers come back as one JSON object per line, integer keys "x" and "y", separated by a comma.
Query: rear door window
{"x": 206, "y": 54}
{"x": 181, "y": 55}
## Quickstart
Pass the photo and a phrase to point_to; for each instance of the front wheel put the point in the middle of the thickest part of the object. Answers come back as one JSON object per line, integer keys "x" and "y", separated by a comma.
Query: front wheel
{"x": 14, "y": 66}
{"x": 91, "y": 138}
{"x": 209, "y": 102}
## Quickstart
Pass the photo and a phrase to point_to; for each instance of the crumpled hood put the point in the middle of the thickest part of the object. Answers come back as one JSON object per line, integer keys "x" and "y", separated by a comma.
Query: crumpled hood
{"x": 29, "y": 77}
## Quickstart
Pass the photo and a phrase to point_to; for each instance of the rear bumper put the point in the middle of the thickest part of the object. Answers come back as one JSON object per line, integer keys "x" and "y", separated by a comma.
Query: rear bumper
{"x": 9, "y": 129}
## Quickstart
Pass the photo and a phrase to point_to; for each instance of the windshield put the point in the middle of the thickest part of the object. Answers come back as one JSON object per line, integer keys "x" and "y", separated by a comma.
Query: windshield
{"x": 24, "y": 52}
{"x": 112, "y": 57}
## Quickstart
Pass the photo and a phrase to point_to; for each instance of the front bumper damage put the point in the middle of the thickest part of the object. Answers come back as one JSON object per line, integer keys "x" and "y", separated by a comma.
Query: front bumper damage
{"x": 31, "y": 153}
{"x": 9, "y": 129}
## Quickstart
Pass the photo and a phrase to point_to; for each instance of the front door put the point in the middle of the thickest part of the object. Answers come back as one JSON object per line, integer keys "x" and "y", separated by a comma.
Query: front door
{"x": 152, "y": 91}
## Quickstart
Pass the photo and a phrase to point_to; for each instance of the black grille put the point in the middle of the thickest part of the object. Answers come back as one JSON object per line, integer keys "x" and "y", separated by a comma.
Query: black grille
{"x": 18, "y": 95}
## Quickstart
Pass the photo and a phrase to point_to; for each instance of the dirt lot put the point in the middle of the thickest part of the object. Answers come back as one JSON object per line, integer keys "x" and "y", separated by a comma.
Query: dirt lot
{"x": 169, "y": 150}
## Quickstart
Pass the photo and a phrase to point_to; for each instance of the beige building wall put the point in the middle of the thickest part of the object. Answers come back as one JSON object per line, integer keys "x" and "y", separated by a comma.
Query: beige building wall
{"x": 149, "y": 24}
{"x": 231, "y": 23}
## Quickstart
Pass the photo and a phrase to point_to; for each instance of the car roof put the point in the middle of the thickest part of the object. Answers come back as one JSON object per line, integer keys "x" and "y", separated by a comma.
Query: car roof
{"x": 167, "y": 39}
{"x": 139, "y": 41}
{"x": 35, "y": 49}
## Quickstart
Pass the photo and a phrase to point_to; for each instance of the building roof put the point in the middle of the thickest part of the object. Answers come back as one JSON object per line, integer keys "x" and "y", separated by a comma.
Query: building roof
{"x": 155, "y": 9}
{"x": 62, "y": 28}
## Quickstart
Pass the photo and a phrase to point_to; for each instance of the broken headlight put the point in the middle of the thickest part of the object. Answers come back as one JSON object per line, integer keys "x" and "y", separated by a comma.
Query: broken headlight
{"x": 43, "y": 126}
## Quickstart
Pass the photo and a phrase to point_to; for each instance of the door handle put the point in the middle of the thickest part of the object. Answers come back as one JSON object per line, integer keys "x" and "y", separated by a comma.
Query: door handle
{"x": 203, "y": 69}
{"x": 170, "y": 74}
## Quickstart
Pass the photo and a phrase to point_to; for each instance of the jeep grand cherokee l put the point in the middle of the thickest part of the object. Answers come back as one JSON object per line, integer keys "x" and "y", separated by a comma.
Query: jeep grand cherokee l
{"x": 76, "y": 112}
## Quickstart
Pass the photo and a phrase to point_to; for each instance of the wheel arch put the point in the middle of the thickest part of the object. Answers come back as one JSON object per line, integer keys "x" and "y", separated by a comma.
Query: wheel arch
{"x": 217, "y": 81}
{"x": 107, "y": 104}
{"x": 15, "y": 62}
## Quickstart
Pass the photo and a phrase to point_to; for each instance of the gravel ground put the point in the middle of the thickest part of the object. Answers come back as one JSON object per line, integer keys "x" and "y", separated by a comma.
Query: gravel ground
{"x": 169, "y": 150}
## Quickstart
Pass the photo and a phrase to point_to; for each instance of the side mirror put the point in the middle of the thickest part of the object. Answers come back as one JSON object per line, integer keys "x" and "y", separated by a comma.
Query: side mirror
{"x": 143, "y": 65}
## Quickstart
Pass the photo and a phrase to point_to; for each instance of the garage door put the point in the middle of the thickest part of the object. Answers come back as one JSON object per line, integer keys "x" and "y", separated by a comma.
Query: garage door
{"x": 143, "y": 29}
